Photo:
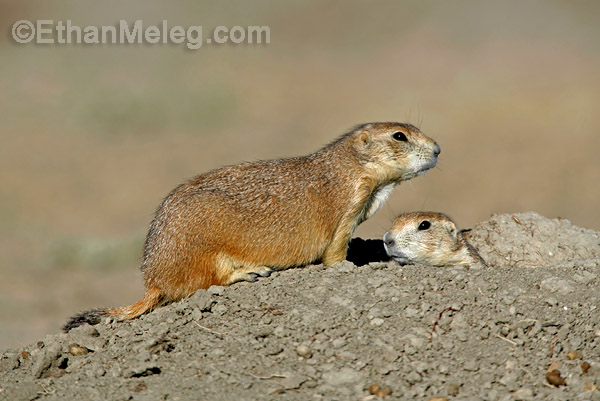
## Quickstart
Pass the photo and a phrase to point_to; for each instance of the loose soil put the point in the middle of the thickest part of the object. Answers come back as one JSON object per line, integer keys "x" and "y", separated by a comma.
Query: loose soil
{"x": 347, "y": 331}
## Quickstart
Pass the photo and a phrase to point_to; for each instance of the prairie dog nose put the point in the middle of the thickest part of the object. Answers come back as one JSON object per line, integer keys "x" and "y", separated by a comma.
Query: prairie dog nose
{"x": 388, "y": 239}
{"x": 437, "y": 150}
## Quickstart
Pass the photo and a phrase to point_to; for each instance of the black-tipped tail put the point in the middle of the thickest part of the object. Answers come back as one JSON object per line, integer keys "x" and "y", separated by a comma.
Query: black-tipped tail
{"x": 92, "y": 317}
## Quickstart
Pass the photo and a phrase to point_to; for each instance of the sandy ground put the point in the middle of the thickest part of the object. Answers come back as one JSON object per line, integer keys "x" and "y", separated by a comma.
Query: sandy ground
{"x": 416, "y": 332}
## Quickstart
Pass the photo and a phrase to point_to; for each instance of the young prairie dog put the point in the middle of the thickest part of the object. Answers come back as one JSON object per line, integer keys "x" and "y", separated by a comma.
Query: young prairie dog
{"x": 429, "y": 238}
{"x": 239, "y": 222}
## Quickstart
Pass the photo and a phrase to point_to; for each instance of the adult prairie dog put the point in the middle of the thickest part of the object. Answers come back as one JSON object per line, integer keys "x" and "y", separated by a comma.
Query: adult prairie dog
{"x": 239, "y": 222}
{"x": 429, "y": 238}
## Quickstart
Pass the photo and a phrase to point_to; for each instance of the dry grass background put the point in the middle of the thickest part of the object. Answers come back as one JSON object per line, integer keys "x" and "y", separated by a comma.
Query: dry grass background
{"x": 92, "y": 138}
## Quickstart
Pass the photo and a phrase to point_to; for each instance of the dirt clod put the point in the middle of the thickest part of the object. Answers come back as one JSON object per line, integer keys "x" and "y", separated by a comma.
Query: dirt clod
{"x": 555, "y": 378}
{"x": 378, "y": 391}
{"x": 585, "y": 367}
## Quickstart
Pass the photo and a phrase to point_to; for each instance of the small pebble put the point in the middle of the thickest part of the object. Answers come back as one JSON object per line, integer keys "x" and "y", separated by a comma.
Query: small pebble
{"x": 373, "y": 388}
{"x": 378, "y": 391}
{"x": 77, "y": 350}
{"x": 303, "y": 351}
{"x": 383, "y": 392}
{"x": 573, "y": 355}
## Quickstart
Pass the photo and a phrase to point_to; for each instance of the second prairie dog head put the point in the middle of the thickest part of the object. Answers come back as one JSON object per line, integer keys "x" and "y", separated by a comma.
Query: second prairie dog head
{"x": 428, "y": 238}
{"x": 395, "y": 151}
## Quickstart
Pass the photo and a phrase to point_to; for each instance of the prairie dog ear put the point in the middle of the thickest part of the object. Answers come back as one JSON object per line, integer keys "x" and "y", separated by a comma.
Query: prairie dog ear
{"x": 466, "y": 233}
{"x": 452, "y": 230}
{"x": 364, "y": 138}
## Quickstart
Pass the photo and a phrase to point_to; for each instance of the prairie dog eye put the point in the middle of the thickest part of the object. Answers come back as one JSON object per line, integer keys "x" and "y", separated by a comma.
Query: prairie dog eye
{"x": 424, "y": 225}
{"x": 399, "y": 136}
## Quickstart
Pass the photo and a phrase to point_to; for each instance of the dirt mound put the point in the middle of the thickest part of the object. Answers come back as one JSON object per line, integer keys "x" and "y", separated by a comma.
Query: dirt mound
{"x": 528, "y": 240}
{"x": 331, "y": 333}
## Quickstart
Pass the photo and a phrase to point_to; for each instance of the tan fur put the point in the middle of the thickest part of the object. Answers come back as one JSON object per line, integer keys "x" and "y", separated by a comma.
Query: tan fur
{"x": 151, "y": 299}
{"x": 441, "y": 244}
{"x": 237, "y": 222}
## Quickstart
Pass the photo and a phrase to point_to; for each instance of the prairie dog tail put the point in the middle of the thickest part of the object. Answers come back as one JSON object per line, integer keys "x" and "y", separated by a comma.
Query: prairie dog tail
{"x": 151, "y": 300}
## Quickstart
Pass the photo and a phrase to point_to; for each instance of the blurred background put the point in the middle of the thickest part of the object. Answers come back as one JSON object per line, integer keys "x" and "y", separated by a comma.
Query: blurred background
{"x": 93, "y": 137}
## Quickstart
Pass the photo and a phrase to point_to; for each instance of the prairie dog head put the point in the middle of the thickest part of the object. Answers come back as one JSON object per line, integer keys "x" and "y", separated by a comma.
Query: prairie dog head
{"x": 395, "y": 151}
{"x": 428, "y": 238}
